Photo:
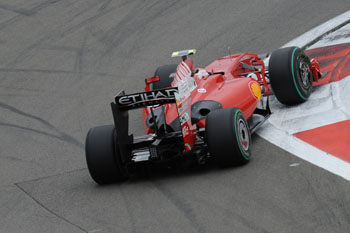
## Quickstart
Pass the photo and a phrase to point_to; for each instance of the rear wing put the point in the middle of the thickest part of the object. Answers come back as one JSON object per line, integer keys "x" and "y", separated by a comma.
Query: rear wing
{"x": 145, "y": 99}
{"x": 123, "y": 103}
{"x": 179, "y": 93}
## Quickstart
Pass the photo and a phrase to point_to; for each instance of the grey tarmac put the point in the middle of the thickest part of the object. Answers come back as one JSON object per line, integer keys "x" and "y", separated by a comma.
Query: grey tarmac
{"x": 61, "y": 63}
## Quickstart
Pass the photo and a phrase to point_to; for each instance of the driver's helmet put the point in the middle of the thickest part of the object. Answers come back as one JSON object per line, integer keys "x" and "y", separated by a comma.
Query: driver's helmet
{"x": 202, "y": 73}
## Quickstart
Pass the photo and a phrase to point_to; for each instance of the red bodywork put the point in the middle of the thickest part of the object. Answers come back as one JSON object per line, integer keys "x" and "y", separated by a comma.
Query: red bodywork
{"x": 230, "y": 83}
{"x": 334, "y": 62}
{"x": 227, "y": 85}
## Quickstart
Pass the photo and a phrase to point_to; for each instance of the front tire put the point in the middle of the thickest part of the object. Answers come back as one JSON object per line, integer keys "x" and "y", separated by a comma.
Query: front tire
{"x": 228, "y": 137}
{"x": 103, "y": 156}
{"x": 290, "y": 75}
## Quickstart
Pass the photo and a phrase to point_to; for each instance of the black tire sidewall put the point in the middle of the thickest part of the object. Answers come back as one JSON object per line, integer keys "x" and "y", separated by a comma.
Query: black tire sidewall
{"x": 285, "y": 78}
{"x": 103, "y": 156}
{"x": 222, "y": 137}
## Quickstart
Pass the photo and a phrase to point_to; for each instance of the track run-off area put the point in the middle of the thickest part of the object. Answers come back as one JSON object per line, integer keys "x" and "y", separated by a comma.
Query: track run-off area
{"x": 318, "y": 131}
{"x": 61, "y": 63}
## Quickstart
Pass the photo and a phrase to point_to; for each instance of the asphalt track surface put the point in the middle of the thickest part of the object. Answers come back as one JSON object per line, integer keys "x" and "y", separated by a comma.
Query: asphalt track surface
{"x": 61, "y": 63}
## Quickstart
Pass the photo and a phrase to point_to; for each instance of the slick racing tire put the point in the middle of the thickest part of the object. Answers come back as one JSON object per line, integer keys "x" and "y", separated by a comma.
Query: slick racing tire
{"x": 228, "y": 137}
{"x": 103, "y": 156}
{"x": 164, "y": 72}
{"x": 290, "y": 75}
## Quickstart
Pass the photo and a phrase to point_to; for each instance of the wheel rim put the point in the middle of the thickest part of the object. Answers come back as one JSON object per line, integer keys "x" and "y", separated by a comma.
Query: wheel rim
{"x": 243, "y": 135}
{"x": 304, "y": 71}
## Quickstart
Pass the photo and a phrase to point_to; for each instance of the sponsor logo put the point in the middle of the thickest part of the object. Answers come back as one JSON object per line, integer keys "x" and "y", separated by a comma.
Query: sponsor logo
{"x": 255, "y": 89}
{"x": 182, "y": 108}
{"x": 146, "y": 96}
{"x": 183, "y": 118}
{"x": 182, "y": 71}
{"x": 185, "y": 131}
{"x": 201, "y": 90}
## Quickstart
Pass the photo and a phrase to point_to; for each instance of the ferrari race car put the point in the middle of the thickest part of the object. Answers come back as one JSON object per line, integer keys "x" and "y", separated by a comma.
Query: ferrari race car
{"x": 207, "y": 113}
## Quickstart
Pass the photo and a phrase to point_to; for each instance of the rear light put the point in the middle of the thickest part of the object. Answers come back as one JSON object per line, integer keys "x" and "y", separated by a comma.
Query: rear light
{"x": 149, "y": 81}
{"x": 152, "y": 79}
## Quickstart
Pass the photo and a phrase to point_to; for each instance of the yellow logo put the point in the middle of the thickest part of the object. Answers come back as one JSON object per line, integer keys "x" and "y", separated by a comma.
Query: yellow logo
{"x": 256, "y": 90}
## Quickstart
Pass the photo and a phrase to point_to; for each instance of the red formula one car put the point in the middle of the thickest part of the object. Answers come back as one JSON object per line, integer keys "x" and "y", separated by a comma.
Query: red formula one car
{"x": 205, "y": 113}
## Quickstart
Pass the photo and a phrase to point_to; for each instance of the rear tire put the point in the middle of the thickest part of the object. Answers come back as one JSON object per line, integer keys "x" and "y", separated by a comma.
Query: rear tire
{"x": 228, "y": 137}
{"x": 290, "y": 75}
{"x": 164, "y": 73}
{"x": 103, "y": 156}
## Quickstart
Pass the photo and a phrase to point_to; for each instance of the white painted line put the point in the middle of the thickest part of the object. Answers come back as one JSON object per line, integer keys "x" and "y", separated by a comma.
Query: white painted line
{"x": 318, "y": 31}
{"x": 294, "y": 165}
{"x": 328, "y": 104}
{"x": 304, "y": 151}
{"x": 324, "y": 107}
{"x": 286, "y": 121}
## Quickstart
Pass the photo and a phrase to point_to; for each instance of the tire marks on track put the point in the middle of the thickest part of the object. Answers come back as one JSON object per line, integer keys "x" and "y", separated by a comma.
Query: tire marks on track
{"x": 61, "y": 135}
{"x": 131, "y": 216}
{"x": 23, "y": 12}
{"x": 50, "y": 211}
{"x": 59, "y": 33}
{"x": 183, "y": 206}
